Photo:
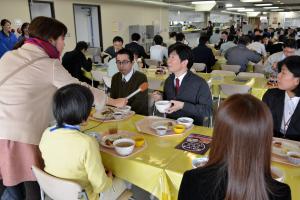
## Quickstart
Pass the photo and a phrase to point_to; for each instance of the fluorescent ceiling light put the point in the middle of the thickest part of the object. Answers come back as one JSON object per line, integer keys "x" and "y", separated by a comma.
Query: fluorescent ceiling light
{"x": 251, "y": 1}
{"x": 281, "y": 3}
{"x": 274, "y": 7}
{"x": 252, "y": 14}
{"x": 227, "y": 5}
{"x": 246, "y": 10}
{"x": 276, "y": 10}
{"x": 203, "y": 2}
{"x": 204, "y": 5}
{"x": 234, "y": 13}
{"x": 264, "y": 4}
{"x": 239, "y": 8}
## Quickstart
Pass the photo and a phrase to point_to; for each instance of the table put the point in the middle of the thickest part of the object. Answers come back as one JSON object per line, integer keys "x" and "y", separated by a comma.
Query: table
{"x": 159, "y": 168}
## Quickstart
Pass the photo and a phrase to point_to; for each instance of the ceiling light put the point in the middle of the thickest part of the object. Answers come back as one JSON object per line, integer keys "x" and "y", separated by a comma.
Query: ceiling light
{"x": 264, "y": 4}
{"x": 227, "y": 5}
{"x": 234, "y": 13}
{"x": 252, "y": 14}
{"x": 264, "y": 13}
{"x": 278, "y": 1}
{"x": 247, "y": 1}
{"x": 246, "y": 10}
{"x": 203, "y": 2}
{"x": 274, "y": 7}
{"x": 239, "y": 8}
{"x": 277, "y": 10}
{"x": 281, "y": 3}
{"x": 204, "y": 5}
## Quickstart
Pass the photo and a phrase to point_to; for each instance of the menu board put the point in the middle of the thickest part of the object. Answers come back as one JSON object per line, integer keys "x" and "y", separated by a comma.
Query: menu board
{"x": 195, "y": 143}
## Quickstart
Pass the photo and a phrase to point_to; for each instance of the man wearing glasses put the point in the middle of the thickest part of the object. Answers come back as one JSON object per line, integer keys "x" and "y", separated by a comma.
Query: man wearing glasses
{"x": 128, "y": 80}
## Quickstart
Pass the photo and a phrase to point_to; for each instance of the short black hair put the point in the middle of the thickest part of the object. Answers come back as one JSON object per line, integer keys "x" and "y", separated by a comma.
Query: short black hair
{"x": 281, "y": 38}
{"x": 118, "y": 39}
{"x": 4, "y": 21}
{"x": 217, "y": 31}
{"x": 158, "y": 39}
{"x": 290, "y": 43}
{"x": 135, "y": 37}
{"x": 180, "y": 37}
{"x": 184, "y": 52}
{"x": 203, "y": 39}
{"x": 81, "y": 45}
{"x": 257, "y": 38}
{"x": 127, "y": 52}
{"x": 293, "y": 65}
{"x": 244, "y": 40}
{"x": 172, "y": 34}
{"x": 72, "y": 104}
{"x": 224, "y": 32}
{"x": 230, "y": 37}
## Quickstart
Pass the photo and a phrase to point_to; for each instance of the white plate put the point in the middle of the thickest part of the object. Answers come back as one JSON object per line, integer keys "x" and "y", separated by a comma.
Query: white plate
{"x": 112, "y": 138}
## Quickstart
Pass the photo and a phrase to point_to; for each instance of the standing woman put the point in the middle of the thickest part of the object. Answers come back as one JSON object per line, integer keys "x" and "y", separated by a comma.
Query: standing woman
{"x": 7, "y": 38}
{"x": 29, "y": 76}
{"x": 24, "y": 31}
{"x": 240, "y": 156}
{"x": 284, "y": 100}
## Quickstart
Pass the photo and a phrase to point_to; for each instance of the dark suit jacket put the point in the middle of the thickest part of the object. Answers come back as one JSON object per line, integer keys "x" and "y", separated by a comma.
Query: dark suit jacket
{"x": 274, "y": 48}
{"x": 195, "y": 94}
{"x": 210, "y": 183}
{"x": 73, "y": 61}
{"x": 111, "y": 51}
{"x": 136, "y": 48}
{"x": 274, "y": 98}
{"x": 203, "y": 54}
{"x": 139, "y": 102}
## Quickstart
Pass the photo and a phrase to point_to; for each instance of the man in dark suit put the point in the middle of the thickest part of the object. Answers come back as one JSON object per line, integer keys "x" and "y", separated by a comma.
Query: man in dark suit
{"x": 74, "y": 60}
{"x": 189, "y": 94}
{"x": 117, "y": 46}
{"x": 127, "y": 80}
{"x": 134, "y": 46}
{"x": 203, "y": 54}
{"x": 224, "y": 37}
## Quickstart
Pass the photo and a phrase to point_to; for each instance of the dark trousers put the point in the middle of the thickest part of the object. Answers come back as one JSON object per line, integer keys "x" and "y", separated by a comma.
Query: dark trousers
{"x": 29, "y": 190}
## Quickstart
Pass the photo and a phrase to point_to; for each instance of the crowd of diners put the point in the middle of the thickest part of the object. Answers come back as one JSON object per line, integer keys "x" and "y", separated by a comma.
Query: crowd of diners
{"x": 38, "y": 85}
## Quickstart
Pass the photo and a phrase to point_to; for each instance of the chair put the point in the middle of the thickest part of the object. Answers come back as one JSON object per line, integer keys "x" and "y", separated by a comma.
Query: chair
{"x": 199, "y": 66}
{"x": 96, "y": 76}
{"x": 231, "y": 89}
{"x": 251, "y": 75}
{"x": 151, "y": 63}
{"x": 233, "y": 68}
{"x": 154, "y": 84}
{"x": 57, "y": 188}
{"x": 223, "y": 73}
{"x": 259, "y": 68}
{"x": 105, "y": 56}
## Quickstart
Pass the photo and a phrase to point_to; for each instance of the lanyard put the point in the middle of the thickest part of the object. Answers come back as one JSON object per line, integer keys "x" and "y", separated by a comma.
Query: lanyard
{"x": 66, "y": 126}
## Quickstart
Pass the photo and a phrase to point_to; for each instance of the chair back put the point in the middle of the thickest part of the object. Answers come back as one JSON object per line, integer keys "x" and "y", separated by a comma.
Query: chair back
{"x": 199, "y": 66}
{"x": 231, "y": 89}
{"x": 251, "y": 75}
{"x": 151, "y": 63}
{"x": 57, "y": 188}
{"x": 233, "y": 68}
{"x": 107, "y": 81}
{"x": 154, "y": 84}
{"x": 223, "y": 73}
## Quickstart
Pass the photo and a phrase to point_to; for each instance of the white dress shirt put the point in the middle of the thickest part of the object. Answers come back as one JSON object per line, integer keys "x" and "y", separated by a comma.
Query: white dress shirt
{"x": 258, "y": 47}
{"x": 158, "y": 52}
{"x": 290, "y": 105}
{"x": 180, "y": 79}
{"x": 128, "y": 76}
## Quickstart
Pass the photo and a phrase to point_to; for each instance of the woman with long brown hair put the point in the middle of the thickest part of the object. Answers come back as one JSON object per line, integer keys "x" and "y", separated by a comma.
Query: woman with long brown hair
{"x": 240, "y": 156}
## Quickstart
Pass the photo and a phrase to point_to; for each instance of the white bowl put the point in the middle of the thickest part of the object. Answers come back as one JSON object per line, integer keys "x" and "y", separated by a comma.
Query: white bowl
{"x": 294, "y": 157}
{"x": 186, "y": 121}
{"x": 161, "y": 130}
{"x": 278, "y": 173}
{"x": 162, "y": 106}
{"x": 124, "y": 109}
{"x": 199, "y": 162}
{"x": 118, "y": 115}
{"x": 126, "y": 148}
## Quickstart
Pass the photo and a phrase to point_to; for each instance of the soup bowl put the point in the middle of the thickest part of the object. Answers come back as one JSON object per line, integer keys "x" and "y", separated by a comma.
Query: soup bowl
{"x": 124, "y": 146}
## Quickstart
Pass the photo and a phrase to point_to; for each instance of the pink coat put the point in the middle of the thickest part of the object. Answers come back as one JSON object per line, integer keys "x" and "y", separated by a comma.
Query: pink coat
{"x": 26, "y": 97}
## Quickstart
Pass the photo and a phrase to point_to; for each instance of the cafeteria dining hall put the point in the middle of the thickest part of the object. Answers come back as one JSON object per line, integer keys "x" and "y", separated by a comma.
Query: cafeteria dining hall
{"x": 149, "y": 100}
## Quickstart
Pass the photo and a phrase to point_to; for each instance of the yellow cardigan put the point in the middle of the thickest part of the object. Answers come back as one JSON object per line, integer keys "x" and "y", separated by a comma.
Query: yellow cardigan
{"x": 72, "y": 155}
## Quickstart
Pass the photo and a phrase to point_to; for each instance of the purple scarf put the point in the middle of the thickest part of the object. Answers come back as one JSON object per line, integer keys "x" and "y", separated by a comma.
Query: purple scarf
{"x": 47, "y": 46}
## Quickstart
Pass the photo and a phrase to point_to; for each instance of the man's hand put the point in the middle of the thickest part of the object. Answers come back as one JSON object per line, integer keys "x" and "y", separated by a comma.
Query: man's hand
{"x": 176, "y": 105}
{"x": 121, "y": 102}
{"x": 156, "y": 95}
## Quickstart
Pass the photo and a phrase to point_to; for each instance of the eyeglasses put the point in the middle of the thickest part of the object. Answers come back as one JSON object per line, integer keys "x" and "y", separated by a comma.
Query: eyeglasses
{"x": 125, "y": 62}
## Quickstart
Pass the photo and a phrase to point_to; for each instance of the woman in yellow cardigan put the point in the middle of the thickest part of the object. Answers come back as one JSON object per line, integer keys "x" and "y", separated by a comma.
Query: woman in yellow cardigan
{"x": 69, "y": 153}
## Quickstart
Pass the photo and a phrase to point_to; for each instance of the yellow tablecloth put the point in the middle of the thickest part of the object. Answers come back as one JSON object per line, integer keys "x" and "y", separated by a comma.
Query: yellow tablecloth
{"x": 159, "y": 168}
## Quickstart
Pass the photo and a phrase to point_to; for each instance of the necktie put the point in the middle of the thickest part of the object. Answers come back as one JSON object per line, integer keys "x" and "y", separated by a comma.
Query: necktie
{"x": 123, "y": 81}
{"x": 177, "y": 85}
